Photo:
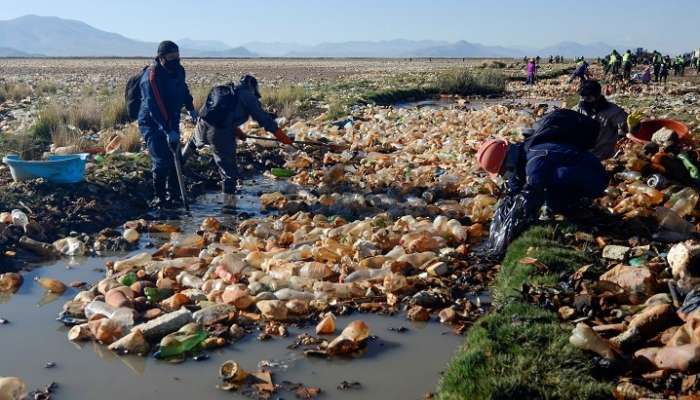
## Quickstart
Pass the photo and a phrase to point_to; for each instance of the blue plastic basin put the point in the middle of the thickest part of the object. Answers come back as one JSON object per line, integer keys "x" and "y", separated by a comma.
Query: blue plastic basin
{"x": 57, "y": 169}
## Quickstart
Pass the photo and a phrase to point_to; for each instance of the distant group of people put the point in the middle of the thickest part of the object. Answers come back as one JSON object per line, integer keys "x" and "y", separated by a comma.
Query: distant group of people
{"x": 656, "y": 66}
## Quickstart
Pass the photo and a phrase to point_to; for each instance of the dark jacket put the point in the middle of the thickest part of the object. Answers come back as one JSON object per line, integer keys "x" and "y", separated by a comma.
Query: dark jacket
{"x": 556, "y": 159}
{"x": 174, "y": 93}
{"x": 612, "y": 120}
{"x": 245, "y": 106}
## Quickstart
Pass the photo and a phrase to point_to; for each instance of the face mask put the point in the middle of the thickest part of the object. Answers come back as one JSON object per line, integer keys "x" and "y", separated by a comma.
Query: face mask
{"x": 172, "y": 65}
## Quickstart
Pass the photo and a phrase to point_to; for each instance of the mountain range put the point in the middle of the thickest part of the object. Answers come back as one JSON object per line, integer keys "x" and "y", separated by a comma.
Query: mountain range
{"x": 35, "y": 36}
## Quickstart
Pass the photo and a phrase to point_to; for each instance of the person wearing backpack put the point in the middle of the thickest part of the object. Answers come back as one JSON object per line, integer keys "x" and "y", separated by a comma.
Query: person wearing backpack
{"x": 226, "y": 108}
{"x": 553, "y": 167}
{"x": 163, "y": 93}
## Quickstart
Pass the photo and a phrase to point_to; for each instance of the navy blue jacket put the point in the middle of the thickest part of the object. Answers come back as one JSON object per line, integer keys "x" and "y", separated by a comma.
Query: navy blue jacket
{"x": 555, "y": 163}
{"x": 174, "y": 93}
{"x": 247, "y": 105}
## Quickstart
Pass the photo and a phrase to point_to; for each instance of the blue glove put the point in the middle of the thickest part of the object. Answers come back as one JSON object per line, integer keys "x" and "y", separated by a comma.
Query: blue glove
{"x": 173, "y": 137}
{"x": 194, "y": 116}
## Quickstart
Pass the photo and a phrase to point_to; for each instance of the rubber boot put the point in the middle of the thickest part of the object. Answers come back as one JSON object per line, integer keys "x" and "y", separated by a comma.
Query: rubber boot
{"x": 174, "y": 194}
{"x": 160, "y": 200}
{"x": 229, "y": 206}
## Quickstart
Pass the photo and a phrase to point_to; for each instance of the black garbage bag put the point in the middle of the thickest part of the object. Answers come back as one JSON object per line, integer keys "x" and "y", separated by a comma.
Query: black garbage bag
{"x": 514, "y": 213}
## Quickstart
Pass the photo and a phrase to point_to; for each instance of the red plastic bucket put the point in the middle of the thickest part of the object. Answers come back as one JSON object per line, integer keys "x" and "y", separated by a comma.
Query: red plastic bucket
{"x": 649, "y": 127}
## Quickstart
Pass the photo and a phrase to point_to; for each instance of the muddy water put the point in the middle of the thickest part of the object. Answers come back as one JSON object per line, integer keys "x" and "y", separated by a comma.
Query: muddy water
{"x": 395, "y": 366}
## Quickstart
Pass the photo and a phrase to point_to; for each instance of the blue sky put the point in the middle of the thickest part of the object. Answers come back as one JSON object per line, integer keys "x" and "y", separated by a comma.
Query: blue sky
{"x": 667, "y": 24}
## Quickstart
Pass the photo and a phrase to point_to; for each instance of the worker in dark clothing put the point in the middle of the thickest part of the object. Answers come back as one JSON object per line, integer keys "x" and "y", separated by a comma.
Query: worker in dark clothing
{"x": 627, "y": 65}
{"x": 552, "y": 167}
{"x": 656, "y": 60}
{"x": 164, "y": 92}
{"x": 611, "y": 117}
{"x": 665, "y": 67}
{"x": 581, "y": 72}
{"x": 554, "y": 164}
{"x": 226, "y": 108}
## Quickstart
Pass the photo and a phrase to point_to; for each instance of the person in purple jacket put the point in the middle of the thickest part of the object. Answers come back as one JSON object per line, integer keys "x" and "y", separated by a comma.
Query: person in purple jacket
{"x": 531, "y": 72}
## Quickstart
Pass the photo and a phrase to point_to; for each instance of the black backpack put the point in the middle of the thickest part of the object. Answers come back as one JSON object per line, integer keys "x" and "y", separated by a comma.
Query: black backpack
{"x": 220, "y": 102}
{"x": 132, "y": 95}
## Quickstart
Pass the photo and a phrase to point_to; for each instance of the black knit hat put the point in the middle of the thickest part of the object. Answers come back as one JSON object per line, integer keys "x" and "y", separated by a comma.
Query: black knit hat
{"x": 252, "y": 83}
{"x": 167, "y": 47}
{"x": 590, "y": 88}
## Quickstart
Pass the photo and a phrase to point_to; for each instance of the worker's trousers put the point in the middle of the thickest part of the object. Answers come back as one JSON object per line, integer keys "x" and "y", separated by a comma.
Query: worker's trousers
{"x": 223, "y": 145}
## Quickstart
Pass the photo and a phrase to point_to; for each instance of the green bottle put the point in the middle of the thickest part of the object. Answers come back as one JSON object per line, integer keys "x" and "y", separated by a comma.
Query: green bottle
{"x": 692, "y": 169}
{"x": 152, "y": 294}
{"x": 128, "y": 279}
{"x": 181, "y": 343}
{"x": 282, "y": 172}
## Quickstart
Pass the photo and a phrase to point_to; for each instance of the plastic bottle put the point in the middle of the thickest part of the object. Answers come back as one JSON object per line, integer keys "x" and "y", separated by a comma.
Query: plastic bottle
{"x": 186, "y": 279}
{"x": 154, "y": 295}
{"x": 585, "y": 338}
{"x": 683, "y": 202}
{"x": 688, "y": 164}
{"x": 177, "y": 344}
{"x": 628, "y": 176}
{"x": 439, "y": 224}
{"x": 482, "y": 208}
{"x": 128, "y": 279}
{"x": 12, "y": 388}
{"x": 314, "y": 270}
{"x": 325, "y": 290}
{"x": 367, "y": 274}
{"x": 396, "y": 252}
{"x": 299, "y": 283}
{"x": 134, "y": 261}
{"x": 125, "y": 316}
{"x": 456, "y": 230}
{"x": 670, "y": 220}
{"x": 291, "y": 294}
{"x": 655, "y": 197}
{"x": 19, "y": 218}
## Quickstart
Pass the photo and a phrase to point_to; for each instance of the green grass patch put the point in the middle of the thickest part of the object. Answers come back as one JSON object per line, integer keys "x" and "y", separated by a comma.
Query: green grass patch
{"x": 114, "y": 112}
{"x": 521, "y": 351}
{"x": 461, "y": 81}
{"x": 285, "y": 100}
{"x": 14, "y": 91}
{"x": 199, "y": 95}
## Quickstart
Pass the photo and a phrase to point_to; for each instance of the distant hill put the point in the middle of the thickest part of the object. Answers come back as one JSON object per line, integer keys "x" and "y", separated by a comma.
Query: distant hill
{"x": 573, "y": 49}
{"x": 203, "y": 45}
{"x": 276, "y": 49}
{"x": 384, "y": 48}
{"x": 57, "y": 37}
{"x": 465, "y": 49}
{"x": 422, "y": 48}
{"x": 8, "y": 52}
{"x": 234, "y": 52}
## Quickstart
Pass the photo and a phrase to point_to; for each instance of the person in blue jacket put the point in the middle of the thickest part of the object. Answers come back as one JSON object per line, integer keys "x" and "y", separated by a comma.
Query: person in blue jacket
{"x": 227, "y": 107}
{"x": 159, "y": 119}
{"x": 553, "y": 166}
